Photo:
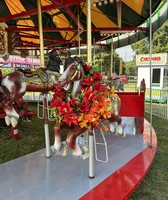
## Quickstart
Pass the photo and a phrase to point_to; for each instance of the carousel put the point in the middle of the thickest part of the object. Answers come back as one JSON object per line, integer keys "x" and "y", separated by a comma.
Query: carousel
{"x": 109, "y": 146}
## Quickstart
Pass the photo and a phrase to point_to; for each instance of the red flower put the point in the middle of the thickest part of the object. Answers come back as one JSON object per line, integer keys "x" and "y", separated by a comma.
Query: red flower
{"x": 59, "y": 92}
{"x": 98, "y": 86}
{"x": 71, "y": 118}
{"x": 85, "y": 105}
{"x": 73, "y": 102}
{"x": 88, "y": 81}
{"x": 65, "y": 108}
{"x": 87, "y": 67}
{"x": 55, "y": 103}
{"x": 97, "y": 76}
{"x": 90, "y": 95}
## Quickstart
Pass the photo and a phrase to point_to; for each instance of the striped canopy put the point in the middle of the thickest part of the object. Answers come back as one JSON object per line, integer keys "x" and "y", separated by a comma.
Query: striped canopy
{"x": 65, "y": 21}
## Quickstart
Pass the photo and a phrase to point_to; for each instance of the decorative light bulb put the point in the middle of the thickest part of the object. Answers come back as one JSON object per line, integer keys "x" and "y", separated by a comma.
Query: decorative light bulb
{"x": 111, "y": 1}
{"x": 105, "y": 2}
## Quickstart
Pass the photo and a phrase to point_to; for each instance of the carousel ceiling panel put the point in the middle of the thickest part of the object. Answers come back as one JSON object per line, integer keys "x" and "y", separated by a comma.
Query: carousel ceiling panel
{"x": 65, "y": 21}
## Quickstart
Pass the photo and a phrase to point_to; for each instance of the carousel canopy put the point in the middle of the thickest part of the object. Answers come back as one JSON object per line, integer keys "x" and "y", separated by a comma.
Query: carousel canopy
{"x": 65, "y": 21}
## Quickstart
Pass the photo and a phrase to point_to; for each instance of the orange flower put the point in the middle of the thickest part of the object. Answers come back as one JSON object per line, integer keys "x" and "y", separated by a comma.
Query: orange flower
{"x": 89, "y": 107}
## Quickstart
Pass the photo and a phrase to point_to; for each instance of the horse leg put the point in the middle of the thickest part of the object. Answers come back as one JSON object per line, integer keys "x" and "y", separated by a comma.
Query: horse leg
{"x": 71, "y": 142}
{"x": 58, "y": 146}
{"x": 11, "y": 115}
{"x": 117, "y": 119}
{"x": 119, "y": 129}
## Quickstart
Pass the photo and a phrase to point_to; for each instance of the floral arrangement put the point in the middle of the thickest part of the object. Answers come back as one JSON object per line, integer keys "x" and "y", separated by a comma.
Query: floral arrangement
{"x": 88, "y": 107}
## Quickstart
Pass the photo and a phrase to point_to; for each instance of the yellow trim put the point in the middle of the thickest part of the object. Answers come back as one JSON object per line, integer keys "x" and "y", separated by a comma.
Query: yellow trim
{"x": 74, "y": 75}
{"x": 17, "y": 7}
{"x": 60, "y": 21}
{"x": 98, "y": 18}
{"x": 135, "y": 5}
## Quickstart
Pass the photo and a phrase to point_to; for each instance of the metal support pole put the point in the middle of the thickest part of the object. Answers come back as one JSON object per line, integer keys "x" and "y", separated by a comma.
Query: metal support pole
{"x": 101, "y": 61}
{"x": 89, "y": 60}
{"x": 89, "y": 36}
{"x": 78, "y": 35}
{"x": 40, "y": 33}
{"x": 112, "y": 54}
{"x": 91, "y": 154}
{"x": 15, "y": 132}
{"x": 150, "y": 43}
{"x": 46, "y": 127}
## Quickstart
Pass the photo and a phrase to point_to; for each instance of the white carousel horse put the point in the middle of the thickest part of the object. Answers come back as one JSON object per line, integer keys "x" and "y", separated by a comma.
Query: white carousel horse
{"x": 72, "y": 78}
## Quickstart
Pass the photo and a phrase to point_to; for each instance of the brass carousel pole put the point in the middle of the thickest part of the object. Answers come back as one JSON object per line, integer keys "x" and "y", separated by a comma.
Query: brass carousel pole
{"x": 112, "y": 52}
{"x": 89, "y": 36}
{"x": 89, "y": 60}
{"x": 46, "y": 126}
{"x": 111, "y": 64}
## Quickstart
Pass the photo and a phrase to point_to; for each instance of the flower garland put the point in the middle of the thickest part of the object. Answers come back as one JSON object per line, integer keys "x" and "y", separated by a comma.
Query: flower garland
{"x": 87, "y": 108}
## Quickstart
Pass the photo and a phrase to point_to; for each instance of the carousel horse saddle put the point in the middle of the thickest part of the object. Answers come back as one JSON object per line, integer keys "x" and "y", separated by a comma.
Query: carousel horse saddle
{"x": 40, "y": 73}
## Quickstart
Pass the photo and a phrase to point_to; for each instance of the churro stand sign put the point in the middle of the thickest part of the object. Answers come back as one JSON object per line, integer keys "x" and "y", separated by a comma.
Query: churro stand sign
{"x": 156, "y": 59}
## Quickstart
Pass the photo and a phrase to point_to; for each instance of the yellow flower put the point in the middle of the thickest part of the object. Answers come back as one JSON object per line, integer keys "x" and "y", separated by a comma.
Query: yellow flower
{"x": 83, "y": 124}
{"x": 80, "y": 117}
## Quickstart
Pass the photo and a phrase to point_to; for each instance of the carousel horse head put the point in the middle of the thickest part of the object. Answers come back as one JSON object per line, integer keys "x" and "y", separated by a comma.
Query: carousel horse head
{"x": 73, "y": 74}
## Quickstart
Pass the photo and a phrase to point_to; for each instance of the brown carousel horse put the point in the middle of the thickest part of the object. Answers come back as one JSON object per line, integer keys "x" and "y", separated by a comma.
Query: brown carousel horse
{"x": 72, "y": 78}
{"x": 14, "y": 85}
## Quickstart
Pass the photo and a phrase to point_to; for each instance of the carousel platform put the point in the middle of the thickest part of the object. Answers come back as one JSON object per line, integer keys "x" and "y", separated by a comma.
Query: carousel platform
{"x": 35, "y": 177}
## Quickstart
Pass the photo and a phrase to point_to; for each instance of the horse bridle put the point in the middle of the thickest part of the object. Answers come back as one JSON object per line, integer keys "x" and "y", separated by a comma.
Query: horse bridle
{"x": 77, "y": 71}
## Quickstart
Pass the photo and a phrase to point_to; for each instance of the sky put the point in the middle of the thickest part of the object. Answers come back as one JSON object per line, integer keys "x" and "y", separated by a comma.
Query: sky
{"x": 126, "y": 53}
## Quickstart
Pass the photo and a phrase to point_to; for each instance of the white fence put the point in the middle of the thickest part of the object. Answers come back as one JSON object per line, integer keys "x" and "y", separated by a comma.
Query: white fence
{"x": 159, "y": 102}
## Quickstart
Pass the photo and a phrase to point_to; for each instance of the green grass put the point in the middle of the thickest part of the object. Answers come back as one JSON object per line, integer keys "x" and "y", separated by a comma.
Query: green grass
{"x": 32, "y": 137}
{"x": 155, "y": 184}
{"x": 153, "y": 187}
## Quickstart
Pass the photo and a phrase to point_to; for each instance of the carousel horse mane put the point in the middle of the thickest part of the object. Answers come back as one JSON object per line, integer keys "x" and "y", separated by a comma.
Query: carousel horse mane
{"x": 71, "y": 60}
{"x": 68, "y": 61}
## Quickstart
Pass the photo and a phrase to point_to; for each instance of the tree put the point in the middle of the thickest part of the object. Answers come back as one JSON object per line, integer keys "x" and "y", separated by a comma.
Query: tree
{"x": 102, "y": 61}
{"x": 159, "y": 42}
{"x": 131, "y": 68}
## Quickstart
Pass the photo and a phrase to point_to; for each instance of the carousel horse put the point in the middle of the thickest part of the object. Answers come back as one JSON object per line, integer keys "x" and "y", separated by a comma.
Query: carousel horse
{"x": 72, "y": 78}
{"x": 14, "y": 85}
{"x": 118, "y": 84}
{"x": 116, "y": 118}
